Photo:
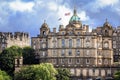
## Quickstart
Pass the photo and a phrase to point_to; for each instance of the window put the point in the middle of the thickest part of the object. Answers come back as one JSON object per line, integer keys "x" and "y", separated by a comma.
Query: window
{"x": 99, "y": 53}
{"x": 44, "y": 33}
{"x": 43, "y": 45}
{"x": 78, "y": 61}
{"x": 78, "y": 33}
{"x": 69, "y": 61}
{"x": 78, "y": 42}
{"x": 62, "y": 61}
{"x": 20, "y": 38}
{"x": 87, "y": 61}
{"x": 77, "y": 53}
{"x": 70, "y": 53}
{"x": 54, "y": 61}
{"x": 63, "y": 53}
{"x": 106, "y": 61}
{"x": 87, "y": 43}
{"x": 100, "y": 61}
{"x": 114, "y": 46}
{"x": 87, "y": 53}
{"x": 70, "y": 33}
{"x": 34, "y": 46}
{"x": 54, "y": 44}
{"x": 43, "y": 54}
{"x": 63, "y": 42}
{"x": 70, "y": 43}
{"x": 63, "y": 33}
{"x": 54, "y": 53}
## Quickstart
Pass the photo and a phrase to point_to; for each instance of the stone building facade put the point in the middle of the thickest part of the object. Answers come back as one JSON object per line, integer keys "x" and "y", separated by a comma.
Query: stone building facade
{"x": 8, "y": 39}
{"x": 85, "y": 53}
{"x": 116, "y": 44}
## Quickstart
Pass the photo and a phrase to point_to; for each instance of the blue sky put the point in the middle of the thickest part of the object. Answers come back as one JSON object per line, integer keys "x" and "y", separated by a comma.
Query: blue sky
{"x": 28, "y": 15}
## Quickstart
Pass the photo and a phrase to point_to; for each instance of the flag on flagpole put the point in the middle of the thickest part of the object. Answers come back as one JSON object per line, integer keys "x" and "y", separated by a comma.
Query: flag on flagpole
{"x": 59, "y": 19}
{"x": 67, "y": 14}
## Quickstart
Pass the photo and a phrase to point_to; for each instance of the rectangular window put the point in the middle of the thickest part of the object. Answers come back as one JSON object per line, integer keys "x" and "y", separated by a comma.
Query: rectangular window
{"x": 70, "y": 43}
{"x": 78, "y": 61}
{"x": 69, "y": 61}
{"x": 78, "y": 43}
{"x": 43, "y": 54}
{"x": 63, "y": 53}
{"x": 63, "y": 33}
{"x": 62, "y": 61}
{"x": 70, "y": 53}
{"x": 54, "y": 53}
{"x": 100, "y": 61}
{"x": 87, "y": 61}
{"x": 54, "y": 61}
{"x": 63, "y": 42}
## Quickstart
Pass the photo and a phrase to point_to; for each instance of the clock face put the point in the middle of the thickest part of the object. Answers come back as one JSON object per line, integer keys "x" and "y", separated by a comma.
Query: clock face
{"x": 106, "y": 45}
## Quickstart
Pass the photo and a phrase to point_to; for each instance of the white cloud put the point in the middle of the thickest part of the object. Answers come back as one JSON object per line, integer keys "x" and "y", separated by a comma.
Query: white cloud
{"x": 103, "y": 3}
{"x": 61, "y": 14}
{"x": 83, "y": 16}
{"x": 21, "y": 6}
{"x": 65, "y": 19}
{"x": 97, "y": 5}
{"x": 52, "y": 6}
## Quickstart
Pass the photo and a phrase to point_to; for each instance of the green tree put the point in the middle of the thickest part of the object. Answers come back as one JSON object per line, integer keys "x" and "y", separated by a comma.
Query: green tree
{"x": 43, "y": 71}
{"x": 28, "y": 55}
{"x": 117, "y": 75}
{"x": 4, "y": 76}
{"x": 63, "y": 74}
{"x": 7, "y": 58}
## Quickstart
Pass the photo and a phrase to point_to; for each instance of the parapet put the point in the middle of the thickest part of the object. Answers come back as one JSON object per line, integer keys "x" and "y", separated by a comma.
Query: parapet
{"x": 15, "y": 35}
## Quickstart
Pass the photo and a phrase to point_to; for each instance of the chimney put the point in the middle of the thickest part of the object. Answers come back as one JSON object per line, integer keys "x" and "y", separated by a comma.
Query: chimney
{"x": 54, "y": 30}
{"x": 87, "y": 28}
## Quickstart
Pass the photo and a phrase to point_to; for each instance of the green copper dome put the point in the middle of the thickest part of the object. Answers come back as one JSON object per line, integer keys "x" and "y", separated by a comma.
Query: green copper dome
{"x": 74, "y": 17}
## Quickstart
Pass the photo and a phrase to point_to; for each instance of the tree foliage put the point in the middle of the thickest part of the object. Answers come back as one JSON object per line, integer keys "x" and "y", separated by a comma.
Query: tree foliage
{"x": 4, "y": 76}
{"x": 63, "y": 74}
{"x": 7, "y": 58}
{"x": 43, "y": 71}
{"x": 28, "y": 55}
{"x": 117, "y": 75}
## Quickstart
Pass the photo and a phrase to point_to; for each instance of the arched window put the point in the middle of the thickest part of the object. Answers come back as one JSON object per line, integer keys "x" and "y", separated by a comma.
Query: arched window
{"x": 70, "y": 52}
{"x": 77, "y": 53}
{"x": 63, "y": 42}
{"x": 44, "y": 33}
{"x": 70, "y": 43}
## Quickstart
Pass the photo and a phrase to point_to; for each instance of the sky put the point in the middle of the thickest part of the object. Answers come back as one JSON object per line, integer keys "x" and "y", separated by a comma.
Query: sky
{"x": 29, "y": 15}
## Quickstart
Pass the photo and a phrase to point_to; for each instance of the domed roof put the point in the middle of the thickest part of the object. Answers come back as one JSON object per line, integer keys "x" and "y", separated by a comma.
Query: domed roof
{"x": 44, "y": 25}
{"x": 107, "y": 24}
{"x": 74, "y": 17}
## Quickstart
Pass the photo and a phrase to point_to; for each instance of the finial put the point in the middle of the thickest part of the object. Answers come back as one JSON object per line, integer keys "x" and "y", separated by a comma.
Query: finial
{"x": 44, "y": 21}
{"x": 106, "y": 20}
{"x": 75, "y": 12}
